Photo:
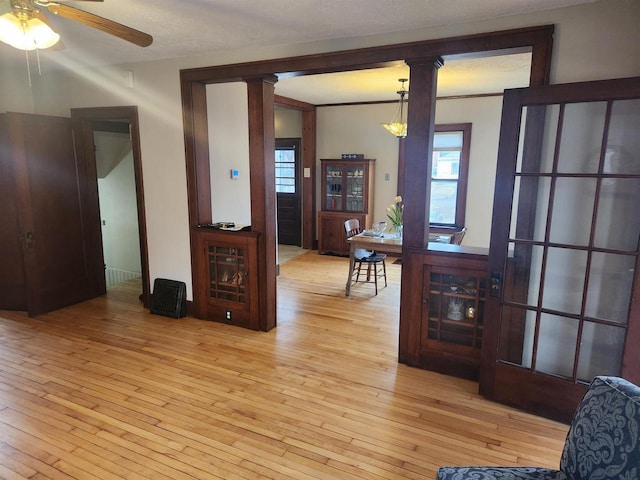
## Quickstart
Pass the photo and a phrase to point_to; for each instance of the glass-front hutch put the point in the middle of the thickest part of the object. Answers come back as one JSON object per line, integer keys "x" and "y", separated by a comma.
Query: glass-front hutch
{"x": 347, "y": 192}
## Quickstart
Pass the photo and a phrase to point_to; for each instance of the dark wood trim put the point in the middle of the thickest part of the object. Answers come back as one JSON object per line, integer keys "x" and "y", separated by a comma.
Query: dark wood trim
{"x": 308, "y": 157}
{"x": 373, "y": 57}
{"x": 510, "y": 128}
{"x": 538, "y": 40}
{"x": 86, "y": 117}
{"x": 111, "y": 126}
{"x": 411, "y": 306}
{"x": 292, "y": 103}
{"x": 419, "y": 146}
{"x": 417, "y": 186}
{"x": 631, "y": 354}
{"x": 263, "y": 198}
{"x": 309, "y": 121}
{"x": 463, "y": 174}
{"x": 531, "y": 391}
{"x": 381, "y": 102}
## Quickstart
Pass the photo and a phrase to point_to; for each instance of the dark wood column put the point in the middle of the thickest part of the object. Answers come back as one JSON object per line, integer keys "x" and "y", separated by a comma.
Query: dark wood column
{"x": 260, "y": 91}
{"x": 309, "y": 183}
{"x": 423, "y": 80}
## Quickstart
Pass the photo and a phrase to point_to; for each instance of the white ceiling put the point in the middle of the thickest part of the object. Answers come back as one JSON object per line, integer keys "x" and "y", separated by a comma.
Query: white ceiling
{"x": 193, "y": 27}
{"x": 456, "y": 77}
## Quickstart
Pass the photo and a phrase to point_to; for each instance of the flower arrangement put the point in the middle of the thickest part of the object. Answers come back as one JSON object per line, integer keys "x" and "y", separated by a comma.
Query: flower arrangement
{"x": 394, "y": 211}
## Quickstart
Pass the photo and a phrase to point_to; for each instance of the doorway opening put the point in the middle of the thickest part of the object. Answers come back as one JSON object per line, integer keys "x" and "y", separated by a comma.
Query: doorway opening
{"x": 117, "y": 199}
{"x": 113, "y": 132}
{"x": 288, "y": 191}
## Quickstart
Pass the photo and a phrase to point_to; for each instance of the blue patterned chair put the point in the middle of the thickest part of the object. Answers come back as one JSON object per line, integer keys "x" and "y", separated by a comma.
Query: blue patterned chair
{"x": 603, "y": 441}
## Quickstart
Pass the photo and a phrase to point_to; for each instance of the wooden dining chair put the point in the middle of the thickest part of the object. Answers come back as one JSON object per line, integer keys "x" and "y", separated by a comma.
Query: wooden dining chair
{"x": 456, "y": 238}
{"x": 375, "y": 262}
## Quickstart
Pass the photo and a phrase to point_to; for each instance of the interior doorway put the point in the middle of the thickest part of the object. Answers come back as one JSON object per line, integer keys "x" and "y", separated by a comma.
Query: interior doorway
{"x": 288, "y": 191}
{"x": 91, "y": 124}
{"x": 117, "y": 199}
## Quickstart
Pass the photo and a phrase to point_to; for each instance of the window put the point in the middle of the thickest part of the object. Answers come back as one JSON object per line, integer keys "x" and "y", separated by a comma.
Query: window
{"x": 285, "y": 170}
{"x": 449, "y": 174}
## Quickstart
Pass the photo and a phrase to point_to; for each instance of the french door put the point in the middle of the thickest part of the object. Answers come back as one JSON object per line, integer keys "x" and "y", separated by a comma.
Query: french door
{"x": 564, "y": 301}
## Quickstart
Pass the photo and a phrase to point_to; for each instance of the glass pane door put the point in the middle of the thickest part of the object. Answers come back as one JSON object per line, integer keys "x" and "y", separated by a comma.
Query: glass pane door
{"x": 333, "y": 200}
{"x": 574, "y": 242}
{"x": 565, "y": 244}
{"x": 355, "y": 188}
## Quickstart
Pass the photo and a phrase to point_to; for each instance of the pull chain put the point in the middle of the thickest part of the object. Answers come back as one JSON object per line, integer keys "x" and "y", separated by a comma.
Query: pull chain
{"x": 26, "y": 54}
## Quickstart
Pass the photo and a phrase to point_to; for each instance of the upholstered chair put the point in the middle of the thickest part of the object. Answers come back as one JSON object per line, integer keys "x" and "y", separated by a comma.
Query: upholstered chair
{"x": 603, "y": 441}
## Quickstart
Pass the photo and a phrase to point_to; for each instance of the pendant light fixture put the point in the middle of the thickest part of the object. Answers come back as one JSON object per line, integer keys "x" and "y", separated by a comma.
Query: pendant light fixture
{"x": 398, "y": 125}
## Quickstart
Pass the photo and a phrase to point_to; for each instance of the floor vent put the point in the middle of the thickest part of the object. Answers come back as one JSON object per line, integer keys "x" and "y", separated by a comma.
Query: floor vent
{"x": 169, "y": 298}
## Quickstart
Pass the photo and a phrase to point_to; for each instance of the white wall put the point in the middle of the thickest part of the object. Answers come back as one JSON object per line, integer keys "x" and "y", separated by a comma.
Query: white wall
{"x": 227, "y": 115}
{"x": 356, "y": 129}
{"x": 288, "y": 122}
{"x": 119, "y": 213}
{"x": 484, "y": 114}
{"x": 593, "y": 41}
{"x": 15, "y": 91}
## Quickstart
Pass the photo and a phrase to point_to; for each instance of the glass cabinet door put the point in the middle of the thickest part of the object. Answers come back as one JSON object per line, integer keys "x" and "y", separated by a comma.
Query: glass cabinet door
{"x": 227, "y": 273}
{"x": 355, "y": 188}
{"x": 346, "y": 185}
{"x": 456, "y": 308}
{"x": 334, "y": 191}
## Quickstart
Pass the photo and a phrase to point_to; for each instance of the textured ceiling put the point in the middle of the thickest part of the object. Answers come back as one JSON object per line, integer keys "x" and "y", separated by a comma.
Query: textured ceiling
{"x": 193, "y": 27}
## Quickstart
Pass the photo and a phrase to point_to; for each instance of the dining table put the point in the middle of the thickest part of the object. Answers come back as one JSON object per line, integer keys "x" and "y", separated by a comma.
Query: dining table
{"x": 385, "y": 243}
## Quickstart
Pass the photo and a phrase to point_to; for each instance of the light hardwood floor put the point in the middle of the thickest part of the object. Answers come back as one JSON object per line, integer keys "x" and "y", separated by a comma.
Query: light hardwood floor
{"x": 105, "y": 390}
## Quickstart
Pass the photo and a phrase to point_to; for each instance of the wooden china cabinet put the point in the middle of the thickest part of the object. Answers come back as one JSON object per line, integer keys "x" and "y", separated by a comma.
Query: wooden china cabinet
{"x": 347, "y": 192}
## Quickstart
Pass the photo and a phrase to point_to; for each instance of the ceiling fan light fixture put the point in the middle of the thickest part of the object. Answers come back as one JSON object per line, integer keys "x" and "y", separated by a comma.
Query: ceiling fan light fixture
{"x": 398, "y": 125}
{"x": 26, "y": 33}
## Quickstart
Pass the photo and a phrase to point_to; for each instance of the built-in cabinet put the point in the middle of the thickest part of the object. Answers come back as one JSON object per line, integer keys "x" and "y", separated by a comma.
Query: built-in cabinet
{"x": 226, "y": 284}
{"x": 453, "y": 305}
{"x": 347, "y": 192}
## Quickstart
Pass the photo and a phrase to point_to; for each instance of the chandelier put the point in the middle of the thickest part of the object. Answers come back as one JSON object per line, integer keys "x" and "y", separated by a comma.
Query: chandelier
{"x": 398, "y": 125}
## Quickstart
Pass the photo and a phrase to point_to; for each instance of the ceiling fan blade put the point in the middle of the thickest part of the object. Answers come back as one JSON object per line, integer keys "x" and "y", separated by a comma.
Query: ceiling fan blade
{"x": 108, "y": 26}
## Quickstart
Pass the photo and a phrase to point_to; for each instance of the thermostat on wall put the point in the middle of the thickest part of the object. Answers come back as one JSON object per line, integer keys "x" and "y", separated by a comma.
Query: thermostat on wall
{"x": 235, "y": 174}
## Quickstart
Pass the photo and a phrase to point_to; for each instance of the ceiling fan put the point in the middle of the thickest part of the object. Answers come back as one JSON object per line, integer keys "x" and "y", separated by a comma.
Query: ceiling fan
{"x": 27, "y": 28}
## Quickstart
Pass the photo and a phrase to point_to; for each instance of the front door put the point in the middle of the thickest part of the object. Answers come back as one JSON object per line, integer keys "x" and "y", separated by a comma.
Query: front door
{"x": 564, "y": 304}
{"x": 288, "y": 192}
{"x": 57, "y": 212}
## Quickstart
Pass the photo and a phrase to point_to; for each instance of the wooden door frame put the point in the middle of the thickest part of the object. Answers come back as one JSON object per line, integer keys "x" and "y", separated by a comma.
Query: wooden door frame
{"x": 82, "y": 121}
{"x": 297, "y": 147}
{"x": 537, "y": 40}
{"x": 308, "y": 159}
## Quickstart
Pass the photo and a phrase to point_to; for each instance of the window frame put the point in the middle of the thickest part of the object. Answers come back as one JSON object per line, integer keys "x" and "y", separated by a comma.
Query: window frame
{"x": 292, "y": 145}
{"x": 463, "y": 171}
